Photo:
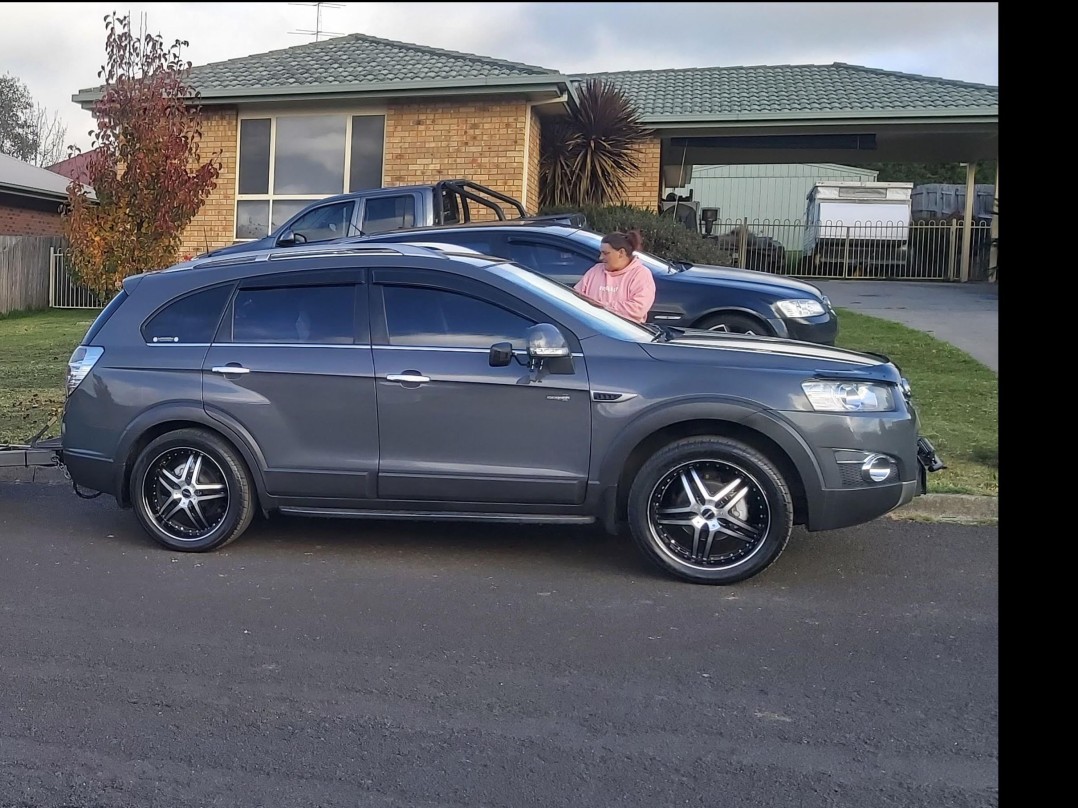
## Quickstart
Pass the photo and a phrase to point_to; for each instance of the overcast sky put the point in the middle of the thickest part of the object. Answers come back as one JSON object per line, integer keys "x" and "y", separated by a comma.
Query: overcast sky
{"x": 56, "y": 49}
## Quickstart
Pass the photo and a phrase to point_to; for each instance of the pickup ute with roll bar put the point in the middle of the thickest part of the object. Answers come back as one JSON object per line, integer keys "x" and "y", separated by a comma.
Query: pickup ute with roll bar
{"x": 382, "y": 210}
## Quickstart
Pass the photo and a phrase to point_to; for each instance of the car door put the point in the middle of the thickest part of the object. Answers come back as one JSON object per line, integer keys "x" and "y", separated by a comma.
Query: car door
{"x": 324, "y": 223}
{"x": 291, "y": 367}
{"x": 450, "y": 426}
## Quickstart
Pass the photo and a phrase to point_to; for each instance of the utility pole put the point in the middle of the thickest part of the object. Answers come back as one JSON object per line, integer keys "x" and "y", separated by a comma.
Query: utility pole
{"x": 318, "y": 32}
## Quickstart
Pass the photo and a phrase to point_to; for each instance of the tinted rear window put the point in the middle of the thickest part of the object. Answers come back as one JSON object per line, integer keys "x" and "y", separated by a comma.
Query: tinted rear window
{"x": 104, "y": 316}
{"x": 190, "y": 319}
{"x": 323, "y": 315}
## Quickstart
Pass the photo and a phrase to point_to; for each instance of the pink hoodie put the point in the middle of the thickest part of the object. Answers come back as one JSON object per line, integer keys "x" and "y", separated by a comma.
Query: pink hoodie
{"x": 630, "y": 293}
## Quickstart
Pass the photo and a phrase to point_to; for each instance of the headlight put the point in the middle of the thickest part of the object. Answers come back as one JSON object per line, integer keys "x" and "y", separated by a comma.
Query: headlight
{"x": 849, "y": 396}
{"x": 800, "y": 308}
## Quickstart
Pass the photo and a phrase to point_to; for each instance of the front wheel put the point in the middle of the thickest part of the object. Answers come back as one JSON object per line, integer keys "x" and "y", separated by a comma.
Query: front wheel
{"x": 710, "y": 510}
{"x": 191, "y": 491}
{"x": 734, "y": 324}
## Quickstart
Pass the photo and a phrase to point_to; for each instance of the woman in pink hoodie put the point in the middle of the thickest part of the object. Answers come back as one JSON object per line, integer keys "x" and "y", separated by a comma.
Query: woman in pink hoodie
{"x": 620, "y": 282}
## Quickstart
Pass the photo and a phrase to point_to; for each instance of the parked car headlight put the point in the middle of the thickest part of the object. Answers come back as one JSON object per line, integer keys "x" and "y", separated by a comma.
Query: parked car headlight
{"x": 800, "y": 308}
{"x": 849, "y": 396}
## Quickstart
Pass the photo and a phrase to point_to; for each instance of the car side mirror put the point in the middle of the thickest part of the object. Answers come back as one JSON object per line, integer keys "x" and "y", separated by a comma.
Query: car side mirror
{"x": 291, "y": 239}
{"x": 546, "y": 342}
{"x": 501, "y": 354}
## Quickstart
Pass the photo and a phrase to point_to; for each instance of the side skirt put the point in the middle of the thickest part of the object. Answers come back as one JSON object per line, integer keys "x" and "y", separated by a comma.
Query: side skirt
{"x": 512, "y": 518}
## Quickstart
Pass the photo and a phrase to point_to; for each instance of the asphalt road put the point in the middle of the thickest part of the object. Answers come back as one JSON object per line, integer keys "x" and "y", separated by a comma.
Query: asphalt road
{"x": 335, "y": 663}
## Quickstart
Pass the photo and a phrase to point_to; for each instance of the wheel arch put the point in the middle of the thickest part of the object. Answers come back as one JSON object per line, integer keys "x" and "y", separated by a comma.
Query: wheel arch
{"x": 767, "y": 324}
{"x": 151, "y": 424}
{"x": 767, "y": 435}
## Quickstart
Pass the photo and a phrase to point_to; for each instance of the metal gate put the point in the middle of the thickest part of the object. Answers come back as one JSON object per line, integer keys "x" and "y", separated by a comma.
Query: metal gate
{"x": 915, "y": 251}
{"x": 64, "y": 292}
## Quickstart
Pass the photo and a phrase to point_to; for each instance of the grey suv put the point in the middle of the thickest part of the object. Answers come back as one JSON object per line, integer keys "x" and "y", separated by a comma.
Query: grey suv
{"x": 400, "y": 381}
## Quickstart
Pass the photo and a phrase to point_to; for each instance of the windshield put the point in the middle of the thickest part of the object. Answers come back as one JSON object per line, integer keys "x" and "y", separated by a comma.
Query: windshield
{"x": 594, "y": 241}
{"x": 603, "y": 321}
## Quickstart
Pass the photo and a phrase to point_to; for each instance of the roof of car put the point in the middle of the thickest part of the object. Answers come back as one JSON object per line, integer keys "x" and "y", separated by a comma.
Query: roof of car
{"x": 343, "y": 248}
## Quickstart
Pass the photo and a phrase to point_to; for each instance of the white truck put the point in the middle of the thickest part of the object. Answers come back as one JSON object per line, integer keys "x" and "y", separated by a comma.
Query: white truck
{"x": 857, "y": 228}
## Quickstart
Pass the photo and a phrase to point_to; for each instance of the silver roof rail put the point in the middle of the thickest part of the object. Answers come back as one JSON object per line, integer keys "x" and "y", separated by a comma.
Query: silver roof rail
{"x": 315, "y": 251}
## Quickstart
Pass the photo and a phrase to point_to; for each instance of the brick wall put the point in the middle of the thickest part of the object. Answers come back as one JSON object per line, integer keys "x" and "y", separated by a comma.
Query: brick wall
{"x": 21, "y": 222}
{"x": 476, "y": 139}
{"x": 214, "y": 225}
{"x": 643, "y": 189}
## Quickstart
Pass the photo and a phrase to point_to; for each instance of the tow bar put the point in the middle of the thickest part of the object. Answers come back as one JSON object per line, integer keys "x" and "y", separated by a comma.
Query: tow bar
{"x": 33, "y": 454}
{"x": 30, "y": 455}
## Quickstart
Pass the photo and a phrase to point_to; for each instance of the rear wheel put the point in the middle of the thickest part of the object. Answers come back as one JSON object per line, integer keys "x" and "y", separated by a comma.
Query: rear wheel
{"x": 710, "y": 510}
{"x": 191, "y": 491}
{"x": 735, "y": 324}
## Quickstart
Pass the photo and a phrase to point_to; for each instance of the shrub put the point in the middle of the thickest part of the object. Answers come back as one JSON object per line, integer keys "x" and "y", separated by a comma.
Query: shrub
{"x": 663, "y": 236}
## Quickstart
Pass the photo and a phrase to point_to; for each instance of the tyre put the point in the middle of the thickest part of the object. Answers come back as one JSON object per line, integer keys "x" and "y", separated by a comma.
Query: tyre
{"x": 191, "y": 491}
{"x": 710, "y": 510}
{"x": 735, "y": 324}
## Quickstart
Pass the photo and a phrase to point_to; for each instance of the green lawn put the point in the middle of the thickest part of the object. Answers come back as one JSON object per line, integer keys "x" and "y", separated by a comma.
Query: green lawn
{"x": 34, "y": 349}
{"x": 957, "y": 397}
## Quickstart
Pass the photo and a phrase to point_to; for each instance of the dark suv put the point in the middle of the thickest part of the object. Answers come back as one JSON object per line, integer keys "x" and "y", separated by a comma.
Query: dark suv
{"x": 399, "y": 381}
{"x": 712, "y": 298}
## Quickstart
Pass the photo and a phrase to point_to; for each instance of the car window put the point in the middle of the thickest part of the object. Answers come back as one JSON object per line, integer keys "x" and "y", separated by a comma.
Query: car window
{"x": 191, "y": 319}
{"x": 560, "y": 263}
{"x": 441, "y": 319}
{"x": 326, "y": 222}
{"x": 323, "y": 315}
{"x": 384, "y": 213}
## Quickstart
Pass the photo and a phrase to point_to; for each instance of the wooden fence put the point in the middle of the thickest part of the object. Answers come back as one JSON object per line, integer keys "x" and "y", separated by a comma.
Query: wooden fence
{"x": 24, "y": 271}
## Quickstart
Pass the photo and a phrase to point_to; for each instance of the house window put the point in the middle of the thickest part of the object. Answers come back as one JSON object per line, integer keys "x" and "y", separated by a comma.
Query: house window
{"x": 288, "y": 161}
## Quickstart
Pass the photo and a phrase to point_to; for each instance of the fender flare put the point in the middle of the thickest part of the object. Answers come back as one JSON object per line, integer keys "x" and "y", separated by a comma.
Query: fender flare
{"x": 193, "y": 412}
{"x": 741, "y": 412}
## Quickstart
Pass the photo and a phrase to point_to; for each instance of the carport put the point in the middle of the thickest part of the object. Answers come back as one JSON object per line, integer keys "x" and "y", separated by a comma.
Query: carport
{"x": 836, "y": 113}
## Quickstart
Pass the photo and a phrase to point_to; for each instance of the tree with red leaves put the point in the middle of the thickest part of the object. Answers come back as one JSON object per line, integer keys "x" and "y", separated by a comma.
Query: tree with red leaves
{"x": 145, "y": 169}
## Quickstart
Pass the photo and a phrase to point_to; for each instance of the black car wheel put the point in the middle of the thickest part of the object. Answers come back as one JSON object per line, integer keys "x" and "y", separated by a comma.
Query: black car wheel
{"x": 191, "y": 491}
{"x": 735, "y": 324}
{"x": 710, "y": 510}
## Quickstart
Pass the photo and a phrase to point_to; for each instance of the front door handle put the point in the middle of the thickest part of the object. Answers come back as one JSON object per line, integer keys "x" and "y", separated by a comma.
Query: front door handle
{"x": 230, "y": 369}
{"x": 409, "y": 376}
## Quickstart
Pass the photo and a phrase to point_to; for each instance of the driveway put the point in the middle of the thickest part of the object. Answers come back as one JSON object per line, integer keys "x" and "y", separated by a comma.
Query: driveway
{"x": 965, "y": 315}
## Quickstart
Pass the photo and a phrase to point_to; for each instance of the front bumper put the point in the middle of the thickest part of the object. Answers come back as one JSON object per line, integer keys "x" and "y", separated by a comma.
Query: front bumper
{"x": 822, "y": 329}
{"x": 838, "y": 508}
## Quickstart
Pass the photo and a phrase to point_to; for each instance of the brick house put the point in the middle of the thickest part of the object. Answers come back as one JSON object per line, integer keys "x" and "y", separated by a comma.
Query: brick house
{"x": 302, "y": 123}
{"x": 30, "y": 199}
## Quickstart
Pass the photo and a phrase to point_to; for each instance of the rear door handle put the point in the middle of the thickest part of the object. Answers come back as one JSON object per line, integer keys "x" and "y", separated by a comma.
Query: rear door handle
{"x": 415, "y": 378}
{"x": 230, "y": 369}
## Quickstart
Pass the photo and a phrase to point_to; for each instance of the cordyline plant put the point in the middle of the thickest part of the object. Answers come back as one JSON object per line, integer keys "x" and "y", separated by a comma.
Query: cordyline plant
{"x": 586, "y": 157}
{"x": 145, "y": 169}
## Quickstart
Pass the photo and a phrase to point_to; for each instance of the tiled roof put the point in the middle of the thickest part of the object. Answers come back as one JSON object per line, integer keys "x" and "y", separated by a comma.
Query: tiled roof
{"x": 360, "y": 62}
{"x": 793, "y": 90}
{"x": 352, "y": 60}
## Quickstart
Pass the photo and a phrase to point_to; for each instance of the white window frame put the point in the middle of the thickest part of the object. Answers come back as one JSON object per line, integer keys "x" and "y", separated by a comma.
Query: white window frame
{"x": 273, "y": 113}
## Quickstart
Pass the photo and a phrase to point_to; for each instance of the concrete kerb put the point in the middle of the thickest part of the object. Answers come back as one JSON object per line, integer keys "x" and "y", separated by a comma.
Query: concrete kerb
{"x": 960, "y": 508}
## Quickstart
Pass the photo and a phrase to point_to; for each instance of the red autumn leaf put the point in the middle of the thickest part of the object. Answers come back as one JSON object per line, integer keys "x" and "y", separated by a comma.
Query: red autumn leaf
{"x": 146, "y": 170}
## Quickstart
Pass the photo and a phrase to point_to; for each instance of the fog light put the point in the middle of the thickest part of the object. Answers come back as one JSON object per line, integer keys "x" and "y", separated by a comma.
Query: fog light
{"x": 878, "y": 468}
